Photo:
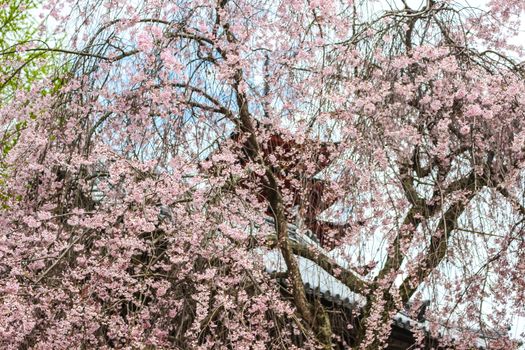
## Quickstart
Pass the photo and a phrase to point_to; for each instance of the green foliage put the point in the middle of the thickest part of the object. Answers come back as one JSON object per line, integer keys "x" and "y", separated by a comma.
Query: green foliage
{"x": 21, "y": 65}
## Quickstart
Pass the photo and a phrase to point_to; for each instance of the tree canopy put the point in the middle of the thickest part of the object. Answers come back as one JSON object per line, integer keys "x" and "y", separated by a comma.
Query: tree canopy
{"x": 138, "y": 194}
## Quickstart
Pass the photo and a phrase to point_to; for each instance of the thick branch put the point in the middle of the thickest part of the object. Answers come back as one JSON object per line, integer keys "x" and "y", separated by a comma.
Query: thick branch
{"x": 438, "y": 247}
{"x": 319, "y": 320}
{"x": 347, "y": 277}
{"x": 417, "y": 211}
{"x": 436, "y": 251}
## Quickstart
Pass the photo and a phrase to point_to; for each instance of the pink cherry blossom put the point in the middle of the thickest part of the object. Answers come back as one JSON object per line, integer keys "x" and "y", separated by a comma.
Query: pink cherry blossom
{"x": 265, "y": 175}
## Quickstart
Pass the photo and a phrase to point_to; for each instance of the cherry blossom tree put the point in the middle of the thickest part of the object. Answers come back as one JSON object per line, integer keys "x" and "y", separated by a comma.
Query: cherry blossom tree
{"x": 138, "y": 193}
